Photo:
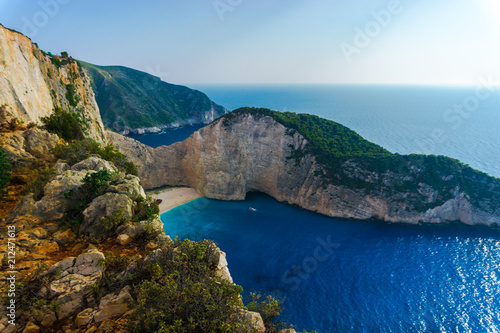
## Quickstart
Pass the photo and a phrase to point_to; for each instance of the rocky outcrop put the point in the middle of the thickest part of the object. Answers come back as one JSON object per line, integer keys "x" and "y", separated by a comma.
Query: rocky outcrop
{"x": 244, "y": 153}
{"x": 32, "y": 84}
{"x": 28, "y": 146}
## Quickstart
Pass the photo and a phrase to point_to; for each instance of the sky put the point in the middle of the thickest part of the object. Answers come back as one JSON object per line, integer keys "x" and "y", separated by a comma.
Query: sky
{"x": 421, "y": 42}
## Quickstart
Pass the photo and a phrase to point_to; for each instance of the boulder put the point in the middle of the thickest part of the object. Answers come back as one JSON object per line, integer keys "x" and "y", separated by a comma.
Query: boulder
{"x": 130, "y": 229}
{"x": 288, "y": 330}
{"x": 73, "y": 293}
{"x": 113, "y": 305}
{"x": 123, "y": 239}
{"x": 130, "y": 185}
{"x": 222, "y": 270}
{"x": 102, "y": 206}
{"x": 64, "y": 237}
{"x": 84, "y": 317}
{"x": 74, "y": 279}
{"x": 252, "y": 320}
{"x": 52, "y": 205}
{"x": 60, "y": 167}
{"x": 31, "y": 328}
{"x": 39, "y": 143}
{"x": 94, "y": 163}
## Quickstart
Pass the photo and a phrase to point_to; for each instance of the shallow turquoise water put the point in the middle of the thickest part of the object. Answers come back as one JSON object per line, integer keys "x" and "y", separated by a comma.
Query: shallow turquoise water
{"x": 354, "y": 276}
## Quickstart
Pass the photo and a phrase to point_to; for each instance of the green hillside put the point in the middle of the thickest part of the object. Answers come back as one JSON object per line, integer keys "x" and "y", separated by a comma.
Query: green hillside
{"x": 134, "y": 99}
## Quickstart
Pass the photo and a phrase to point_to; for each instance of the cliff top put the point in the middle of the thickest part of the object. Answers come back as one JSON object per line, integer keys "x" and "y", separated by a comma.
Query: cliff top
{"x": 333, "y": 145}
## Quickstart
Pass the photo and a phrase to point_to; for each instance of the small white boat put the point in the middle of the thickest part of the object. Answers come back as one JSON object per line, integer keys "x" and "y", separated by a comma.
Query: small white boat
{"x": 252, "y": 209}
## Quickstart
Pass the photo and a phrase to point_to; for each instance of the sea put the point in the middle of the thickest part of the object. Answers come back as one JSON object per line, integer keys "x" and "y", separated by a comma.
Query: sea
{"x": 336, "y": 275}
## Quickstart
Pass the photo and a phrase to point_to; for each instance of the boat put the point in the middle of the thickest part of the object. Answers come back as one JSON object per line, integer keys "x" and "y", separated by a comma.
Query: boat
{"x": 252, "y": 209}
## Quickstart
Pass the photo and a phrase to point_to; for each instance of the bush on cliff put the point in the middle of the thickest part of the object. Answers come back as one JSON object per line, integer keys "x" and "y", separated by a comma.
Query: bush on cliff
{"x": 79, "y": 150}
{"x": 65, "y": 124}
{"x": 5, "y": 174}
{"x": 181, "y": 292}
{"x": 93, "y": 186}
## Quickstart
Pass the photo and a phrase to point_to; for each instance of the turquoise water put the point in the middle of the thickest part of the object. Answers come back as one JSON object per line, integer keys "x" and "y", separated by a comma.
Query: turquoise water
{"x": 353, "y": 276}
{"x": 370, "y": 276}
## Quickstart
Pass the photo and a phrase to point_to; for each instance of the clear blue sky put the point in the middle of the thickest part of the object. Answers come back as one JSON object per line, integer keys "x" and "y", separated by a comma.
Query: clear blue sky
{"x": 272, "y": 41}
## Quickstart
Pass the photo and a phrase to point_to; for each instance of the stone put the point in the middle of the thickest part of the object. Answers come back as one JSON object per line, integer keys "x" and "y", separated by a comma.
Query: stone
{"x": 130, "y": 229}
{"x": 61, "y": 266}
{"x": 39, "y": 143}
{"x": 252, "y": 321}
{"x": 151, "y": 246}
{"x": 73, "y": 293}
{"x": 31, "y": 328}
{"x": 288, "y": 330}
{"x": 123, "y": 239}
{"x": 130, "y": 185}
{"x": 64, "y": 237}
{"x": 88, "y": 263}
{"x": 84, "y": 318}
{"x": 102, "y": 206}
{"x": 46, "y": 248}
{"x": 106, "y": 327}
{"x": 94, "y": 163}
{"x": 49, "y": 318}
{"x": 60, "y": 167}
{"x": 113, "y": 305}
{"x": 25, "y": 206}
{"x": 222, "y": 270}
{"x": 52, "y": 205}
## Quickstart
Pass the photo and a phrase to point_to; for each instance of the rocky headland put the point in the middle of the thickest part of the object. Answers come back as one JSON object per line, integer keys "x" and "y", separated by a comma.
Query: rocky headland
{"x": 254, "y": 150}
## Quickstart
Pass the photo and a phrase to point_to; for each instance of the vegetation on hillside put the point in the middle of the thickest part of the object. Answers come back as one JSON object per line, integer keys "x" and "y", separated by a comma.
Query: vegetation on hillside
{"x": 341, "y": 150}
{"x": 5, "y": 174}
{"x": 67, "y": 125}
{"x": 130, "y": 98}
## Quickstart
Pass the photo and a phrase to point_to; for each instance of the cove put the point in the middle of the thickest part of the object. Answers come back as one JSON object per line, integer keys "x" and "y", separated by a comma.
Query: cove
{"x": 353, "y": 276}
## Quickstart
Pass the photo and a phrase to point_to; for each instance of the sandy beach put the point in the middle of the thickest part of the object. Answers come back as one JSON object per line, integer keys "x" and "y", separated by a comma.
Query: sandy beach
{"x": 173, "y": 197}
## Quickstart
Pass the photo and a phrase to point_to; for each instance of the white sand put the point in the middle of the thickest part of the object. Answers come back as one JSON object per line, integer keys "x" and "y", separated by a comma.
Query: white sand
{"x": 174, "y": 197}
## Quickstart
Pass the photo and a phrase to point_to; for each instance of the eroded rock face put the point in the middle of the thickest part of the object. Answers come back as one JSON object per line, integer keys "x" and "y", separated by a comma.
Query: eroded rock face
{"x": 227, "y": 159}
{"x": 32, "y": 86}
{"x": 74, "y": 278}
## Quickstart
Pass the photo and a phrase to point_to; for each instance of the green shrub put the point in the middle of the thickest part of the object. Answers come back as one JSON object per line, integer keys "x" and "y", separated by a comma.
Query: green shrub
{"x": 71, "y": 95}
{"x": 56, "y": 61}
{"x": 146, "y": 209}
{"x": 65, "y": 124}
{"x": 94, "y": 185}
{"x": 180, "y": 292}
{"x": 5, "y": 173}
{"x": 78, "y": 151}
{"x": 113, "y": 221}
{"x": 64, "y": 54}
{"x": 38, "y": 178}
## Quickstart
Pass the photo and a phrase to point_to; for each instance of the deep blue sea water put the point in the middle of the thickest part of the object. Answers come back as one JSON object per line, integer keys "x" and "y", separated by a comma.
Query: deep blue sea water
{"x": 370, "y": 276}
{"x": 167, "y": 136}
{"x": 353, "y": 276}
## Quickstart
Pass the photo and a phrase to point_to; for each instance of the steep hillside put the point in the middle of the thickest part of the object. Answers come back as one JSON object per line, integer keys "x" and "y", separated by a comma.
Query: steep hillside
{"x": 319, "y": 165}
{"x": 33, "y": 84}
{"x": 131, "y": 101}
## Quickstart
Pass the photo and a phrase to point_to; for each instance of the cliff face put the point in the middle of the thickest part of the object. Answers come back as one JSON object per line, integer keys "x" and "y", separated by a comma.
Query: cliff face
{"x": 132, "y": 101}
{"x": 229, "y": 158}
{"x": 32, "y": 84}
